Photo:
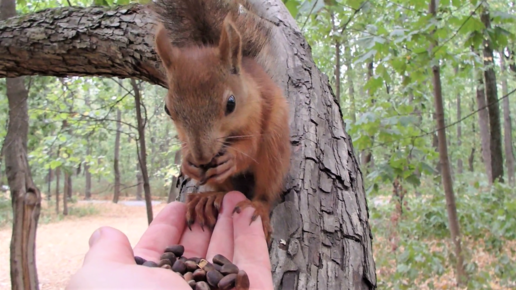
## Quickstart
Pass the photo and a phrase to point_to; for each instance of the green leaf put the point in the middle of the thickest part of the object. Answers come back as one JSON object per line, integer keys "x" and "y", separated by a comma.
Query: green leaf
{"x": 293, "y": 7}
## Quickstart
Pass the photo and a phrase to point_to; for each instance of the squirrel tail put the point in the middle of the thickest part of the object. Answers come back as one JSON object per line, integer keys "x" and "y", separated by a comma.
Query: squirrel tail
{"x": 199, "y": 22}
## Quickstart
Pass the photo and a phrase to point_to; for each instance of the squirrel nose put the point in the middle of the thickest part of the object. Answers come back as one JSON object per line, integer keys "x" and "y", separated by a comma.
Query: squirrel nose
{"x": 201, "y": 159}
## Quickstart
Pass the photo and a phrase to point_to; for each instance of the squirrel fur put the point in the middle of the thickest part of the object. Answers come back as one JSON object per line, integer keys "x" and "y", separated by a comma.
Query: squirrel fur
{"x": 231, "y": 118}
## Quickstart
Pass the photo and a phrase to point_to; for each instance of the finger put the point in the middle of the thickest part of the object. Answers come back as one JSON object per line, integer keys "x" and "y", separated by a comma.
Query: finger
{"x": 222, "y": 237}
{"x": 250, "y": 245}
{"x": 165, "y": 230}
{"x": 195, "y": 241}
{"x": 109, "y": 245}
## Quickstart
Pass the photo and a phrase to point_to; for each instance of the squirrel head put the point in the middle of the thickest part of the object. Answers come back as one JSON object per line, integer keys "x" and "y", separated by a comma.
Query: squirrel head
{"x": 208, "y": 99}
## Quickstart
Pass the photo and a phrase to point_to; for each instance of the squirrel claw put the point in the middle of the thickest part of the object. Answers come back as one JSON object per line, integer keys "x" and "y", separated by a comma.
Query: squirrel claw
{"x": 261, "y": 210}
{"x": 203, "y": 208}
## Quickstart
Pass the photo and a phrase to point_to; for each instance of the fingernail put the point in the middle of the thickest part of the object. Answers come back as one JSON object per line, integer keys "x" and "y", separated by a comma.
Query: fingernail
{"x": 94, "y": 237}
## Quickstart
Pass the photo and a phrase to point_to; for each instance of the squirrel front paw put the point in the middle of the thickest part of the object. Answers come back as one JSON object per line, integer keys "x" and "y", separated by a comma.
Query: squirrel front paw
{"x": 204, "y": 208}
{"x": 221, "y": 168}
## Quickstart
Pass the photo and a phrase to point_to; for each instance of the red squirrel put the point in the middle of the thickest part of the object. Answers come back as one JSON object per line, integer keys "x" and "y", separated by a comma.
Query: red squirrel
{"x": 231, "y": 118}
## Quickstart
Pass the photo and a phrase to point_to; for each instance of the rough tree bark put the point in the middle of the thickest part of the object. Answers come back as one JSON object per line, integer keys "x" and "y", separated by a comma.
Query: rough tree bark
{"x": 25, "y": 196}
{"x": 483, "y": 124}
{"x": 142, "y": 154}
{"x": 459, "y": 131}
{"x": 453, "y": 220}
{"x": 507, "y": 124}
{"x": 492, "y": 99}
{"x": 116, "y": 194}
{"x": 322, "y": 237}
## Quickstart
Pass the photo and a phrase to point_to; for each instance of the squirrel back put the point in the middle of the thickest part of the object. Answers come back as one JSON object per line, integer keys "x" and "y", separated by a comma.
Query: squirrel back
{"x": 199, "y": 23}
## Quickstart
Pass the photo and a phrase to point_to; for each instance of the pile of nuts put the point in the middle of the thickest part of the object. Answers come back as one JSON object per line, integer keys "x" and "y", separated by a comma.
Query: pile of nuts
{"x": 199, "y": 273}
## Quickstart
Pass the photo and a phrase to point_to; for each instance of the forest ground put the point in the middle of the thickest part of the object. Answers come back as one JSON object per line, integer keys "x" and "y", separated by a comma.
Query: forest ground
{"x": 61, "y": 245}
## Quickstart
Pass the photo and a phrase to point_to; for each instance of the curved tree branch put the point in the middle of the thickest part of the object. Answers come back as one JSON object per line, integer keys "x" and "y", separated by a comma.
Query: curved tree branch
{"x": 74, "y": 41}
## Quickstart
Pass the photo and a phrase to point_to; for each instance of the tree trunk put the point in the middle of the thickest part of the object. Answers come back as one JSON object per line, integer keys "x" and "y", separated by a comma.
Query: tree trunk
{"x": 471, "y": 159}
{"x": 172, "y": 194}
{"x": 25, "y": 196}
{"x": 139, "y": 186}
{"x": 351, "y": 85}
{"x": 366, "y": 155}
{"x": 58, "y": 173}
{"x": 66, "y": 189}
{"x": 87, "y": 174}
{"x": 337, "y": 59}
{"x": 323, "y": 216}
{"x": 453, "y": 220}
{"x": 142, "y": 154}
{"x": 49, "y": 183}
{"x": 459, "y": 131}
{"x": 483, "y": 124}
{"x": 507, "y": 124}
{"x": 492, "y": 99}
{"x": 116, "y": 194}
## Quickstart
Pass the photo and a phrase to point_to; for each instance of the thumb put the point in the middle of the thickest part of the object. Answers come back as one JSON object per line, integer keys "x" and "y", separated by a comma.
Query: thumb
{"x": 109, "y": 245}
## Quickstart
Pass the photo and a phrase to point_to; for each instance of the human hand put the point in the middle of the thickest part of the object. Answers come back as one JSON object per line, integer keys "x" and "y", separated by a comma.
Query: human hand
{"x": 110, "y": 261}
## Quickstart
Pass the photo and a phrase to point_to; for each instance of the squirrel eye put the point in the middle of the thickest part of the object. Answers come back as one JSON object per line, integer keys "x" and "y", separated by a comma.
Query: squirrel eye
{"x": 230, "y": 106}
{"x": 166, "y": 110}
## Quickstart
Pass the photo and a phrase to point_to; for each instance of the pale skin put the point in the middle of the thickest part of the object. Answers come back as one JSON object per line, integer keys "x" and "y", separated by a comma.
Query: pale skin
{"x": 109, "y": 262}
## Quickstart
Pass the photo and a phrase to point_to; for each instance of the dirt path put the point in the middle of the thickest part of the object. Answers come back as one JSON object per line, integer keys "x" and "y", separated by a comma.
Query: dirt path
{"x": 61, "y": 246}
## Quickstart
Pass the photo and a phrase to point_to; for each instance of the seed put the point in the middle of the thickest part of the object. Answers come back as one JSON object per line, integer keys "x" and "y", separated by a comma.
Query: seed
{"x": 179, "y": 267}
{"x": 150, "y": 264}
{"x": 139, "y": 260}
{"x": 196, "y": 260}
{"x": 188, "y": 276}
{"x": 213, "y": 277}
{"x": 183, "y": 259}
{"x": 192, "y": 284}
{"x": 178, "y": 250}
{"x": 221, "y": 260}
{"x": 199, "y": 275}
{"x": 227, "y": 282}
{"x": 169, "y": 256}
{"x": 202, "y": 286}
{"x": 229, "y": 269}
{"x": 242, "y": 281}
{"x": 217, "y": 267}
{"x": 190, "y": 265}
{"x": 164, "y": 262}
{"x": 166, "y": 266}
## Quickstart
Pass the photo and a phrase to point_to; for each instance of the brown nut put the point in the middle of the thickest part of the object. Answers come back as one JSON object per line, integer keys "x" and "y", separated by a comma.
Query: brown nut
{"x": 221, "y": 260}
{"x": 202, "y": 286}
{"x": 217, "y": 267}
{"x": 227, "y": 282}
{"x": 150, "y": 264}
{"x": 179, "y": 267}
{"x": 190, "y": 265}
{"x": 188, "y": 276}
{"x": 213, "y": 277}
{"x": 192, "y": 284}
{"x": 164, "y": 262}
{"x": 229, "y": 269}
{"x": 242, "y": 281}
{"x": 166, "y": 266}
{"x": 199, "y": 275}
{"x": 169, "y": 256}
{"x": 139, "y": 260}
{"x": 178, "y": 250}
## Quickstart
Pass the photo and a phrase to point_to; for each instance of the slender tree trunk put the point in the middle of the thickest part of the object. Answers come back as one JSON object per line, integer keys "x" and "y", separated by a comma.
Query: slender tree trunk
{"x": 445, "y": 165}
{"x": 58, "y": 173}
{"x": 69, "y": 192}
{"x": 483, "y": 124}
{"x": 142, "y": 155}
{"x": 350, "y": 83}
{"x": 492, "y": 99}
{"x": 507, "y": 124}
{"x": 366, "y": 155}
{"x": 459, "y": 131}
{"x": 87, "y": 174}
{"x": 172, "y": 194}
{"x": 139, "y": 187}
{"x": 66, "y": 189}
{"x": 49, "y": 183}
{"x": 116, "y": 194}
{"x": 471, "y": 159}
{"x": 25, "y": 196}
{"x": 336, "y": 71}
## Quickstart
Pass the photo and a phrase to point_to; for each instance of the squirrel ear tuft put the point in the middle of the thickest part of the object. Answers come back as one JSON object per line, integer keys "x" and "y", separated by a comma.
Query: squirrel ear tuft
{"x": 230, "y": 46}
{"x": 164, "y": 48}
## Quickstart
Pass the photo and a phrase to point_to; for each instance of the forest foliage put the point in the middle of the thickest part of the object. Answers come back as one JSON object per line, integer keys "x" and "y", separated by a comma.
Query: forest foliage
{"x": 376, "y": 54}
